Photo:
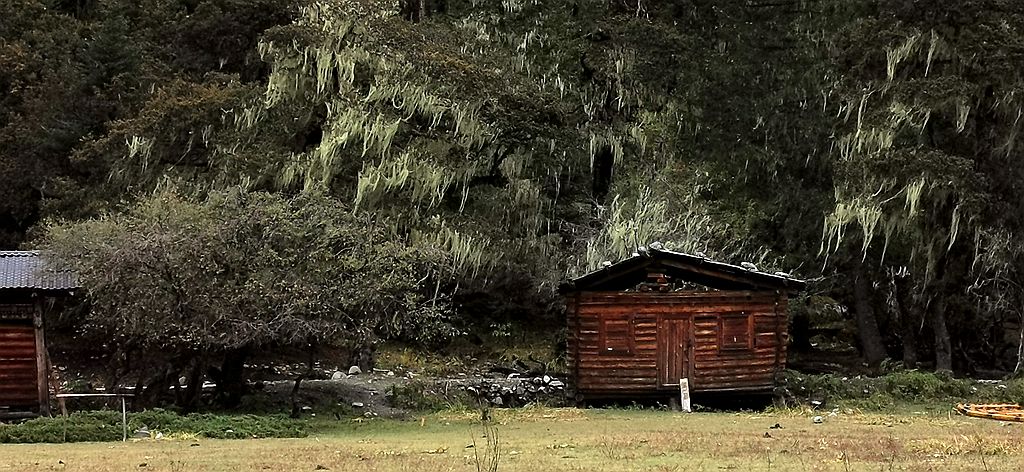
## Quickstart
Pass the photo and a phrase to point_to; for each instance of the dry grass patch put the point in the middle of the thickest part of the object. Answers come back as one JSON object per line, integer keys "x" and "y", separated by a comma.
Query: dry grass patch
{"x": 535, "y": 439}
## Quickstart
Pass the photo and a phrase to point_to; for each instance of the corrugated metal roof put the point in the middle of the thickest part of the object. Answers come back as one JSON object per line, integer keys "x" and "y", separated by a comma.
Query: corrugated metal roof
{"x": 28, "y": 270}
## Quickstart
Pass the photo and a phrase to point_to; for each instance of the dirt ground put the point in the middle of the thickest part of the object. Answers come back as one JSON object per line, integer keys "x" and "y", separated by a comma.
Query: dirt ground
{"x": 535, "y": 439}
{"x": 364, "y": 394}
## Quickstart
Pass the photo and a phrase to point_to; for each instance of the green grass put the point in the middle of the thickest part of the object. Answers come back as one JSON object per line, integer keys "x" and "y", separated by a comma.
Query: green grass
{"x": 536, "y": 439}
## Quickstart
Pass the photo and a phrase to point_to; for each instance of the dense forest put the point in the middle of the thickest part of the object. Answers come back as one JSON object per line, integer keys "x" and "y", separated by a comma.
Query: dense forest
{"x": 230, "y": 176}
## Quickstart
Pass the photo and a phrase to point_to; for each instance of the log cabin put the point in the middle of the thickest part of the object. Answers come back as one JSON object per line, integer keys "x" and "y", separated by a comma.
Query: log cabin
{"x": 637, "y": 327}
{"x": 28, "y": 288}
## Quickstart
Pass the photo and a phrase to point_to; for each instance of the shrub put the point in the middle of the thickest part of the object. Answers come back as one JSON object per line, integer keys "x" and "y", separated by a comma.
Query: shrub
{"x": 912, "y": 385}
{"x": 423, "y": 396}
{"x": 106, "y": 426}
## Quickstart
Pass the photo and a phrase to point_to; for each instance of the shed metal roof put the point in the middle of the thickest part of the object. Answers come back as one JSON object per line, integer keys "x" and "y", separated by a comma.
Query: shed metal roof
{"x": 29, "y": 270}
{"x": 717, "y": 275}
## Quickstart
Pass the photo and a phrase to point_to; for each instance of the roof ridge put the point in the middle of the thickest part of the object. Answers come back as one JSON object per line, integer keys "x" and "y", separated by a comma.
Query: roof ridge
{"x": 19, "y": 253}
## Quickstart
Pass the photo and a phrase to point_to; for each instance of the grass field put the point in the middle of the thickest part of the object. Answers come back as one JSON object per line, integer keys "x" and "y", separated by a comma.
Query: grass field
{"x": 541, "y": 439}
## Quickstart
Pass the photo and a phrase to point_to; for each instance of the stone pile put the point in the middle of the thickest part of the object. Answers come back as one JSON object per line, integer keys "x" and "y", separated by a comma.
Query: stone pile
{"x": 515, "y": 391}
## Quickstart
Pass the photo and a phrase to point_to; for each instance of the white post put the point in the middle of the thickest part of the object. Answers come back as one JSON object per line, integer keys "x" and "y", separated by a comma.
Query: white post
{"x": 684, "y": 394}
{"x": 124, "y": 421}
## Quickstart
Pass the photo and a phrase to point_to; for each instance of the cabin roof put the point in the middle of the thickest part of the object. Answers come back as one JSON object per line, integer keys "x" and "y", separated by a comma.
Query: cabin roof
{"x": 30, "y": 270}
{"x": 629, "y": 272}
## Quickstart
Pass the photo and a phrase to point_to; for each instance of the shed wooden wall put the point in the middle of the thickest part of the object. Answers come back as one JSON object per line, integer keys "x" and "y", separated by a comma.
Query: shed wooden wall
{"x": 23, "y": 373}
{"x": 709, "y": 365}
{"x": 18, "y": 376}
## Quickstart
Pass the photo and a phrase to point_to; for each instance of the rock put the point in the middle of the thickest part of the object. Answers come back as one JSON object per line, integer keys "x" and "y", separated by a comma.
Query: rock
{"x": 357, "y": 405}
{"x": 818, "y": 420}
{"x": 390, "y": 374}
{"x": 547, "y": 379}
{"x": 354, "y": 370}
{"x": 497, "y": 401}
{"x": 338, "y": 375}
{"x": 142, "y": 432}
{"x": 557, "y": 384}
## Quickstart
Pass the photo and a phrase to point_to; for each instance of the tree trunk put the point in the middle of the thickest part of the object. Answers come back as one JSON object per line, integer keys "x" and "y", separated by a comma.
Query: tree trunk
{"x": 908, "y": 335}
{"x": 871, "y": 344}
{"x": 296, "y": 408}
{"x": 294, "y": 397}
{"x": 943, "y": 344}
{"x": 157, "y": 388}
{"x": 231, "y": 381}
{"x": 418, "y": 10}
{"x": 1018, "y": 370}
{"x": 412, "y": 10}
{"x": 194, "y": 390}
{"x": 909, "y": 311}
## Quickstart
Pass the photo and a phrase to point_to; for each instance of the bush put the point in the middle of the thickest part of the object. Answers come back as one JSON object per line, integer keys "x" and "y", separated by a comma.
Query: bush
{"x": 901, "y": 388}
{"x": 81, "y": 426}
{"x": 423, "y": 396}
{"x": 106, "y": 426}
{"x": 912, "y": 385}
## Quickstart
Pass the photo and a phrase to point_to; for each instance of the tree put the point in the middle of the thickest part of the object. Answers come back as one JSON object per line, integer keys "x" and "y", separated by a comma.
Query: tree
{"x": 175, "y": 282}
{"x": 927, "y": 161}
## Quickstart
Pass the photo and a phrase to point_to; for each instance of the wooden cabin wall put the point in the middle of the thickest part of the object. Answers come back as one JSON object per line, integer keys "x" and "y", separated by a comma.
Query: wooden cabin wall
{"x": 23, "y": 361}
{"x": 705, "y": 320}
{"x": 716, "y": 367}
{"x": 18, "y": 357}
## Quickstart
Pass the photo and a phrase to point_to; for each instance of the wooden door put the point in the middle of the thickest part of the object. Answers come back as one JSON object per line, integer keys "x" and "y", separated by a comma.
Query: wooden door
{"x": 673, "y": 348}
{"x": 18, "y": 376}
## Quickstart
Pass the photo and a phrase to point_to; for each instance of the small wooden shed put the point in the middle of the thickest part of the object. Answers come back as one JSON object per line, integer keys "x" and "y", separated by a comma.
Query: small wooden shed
{"x": 27, "y": 288}
{"x": 637, "y": 327}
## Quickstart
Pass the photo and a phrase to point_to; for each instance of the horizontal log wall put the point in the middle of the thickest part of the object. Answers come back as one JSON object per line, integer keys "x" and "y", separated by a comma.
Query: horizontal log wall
{"x": 18, "y": 369}
{"x": 719, "y": 356}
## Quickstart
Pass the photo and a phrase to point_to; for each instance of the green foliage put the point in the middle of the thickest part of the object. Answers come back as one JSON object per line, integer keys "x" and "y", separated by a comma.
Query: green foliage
{"x": 900, "y": 389}
{"x": 507, "y": 145}
{"x": 426, "y": 396}
{"x": 219, "y": 426}
{"x": 246, "y": 269}
{"x": 107, "y": 426}
{"x": 185, "y": 282}
{"x": 913, "y": 384}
